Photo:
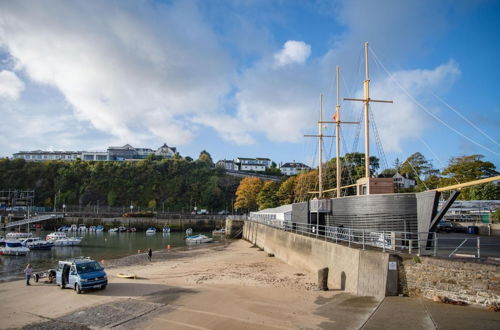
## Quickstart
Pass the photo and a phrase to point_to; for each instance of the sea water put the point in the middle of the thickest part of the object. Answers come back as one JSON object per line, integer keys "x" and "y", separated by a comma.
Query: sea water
{"x": 96, "y": 245}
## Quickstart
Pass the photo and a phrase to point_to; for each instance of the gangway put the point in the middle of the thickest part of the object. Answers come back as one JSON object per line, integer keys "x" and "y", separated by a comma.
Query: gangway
{"x": 31, "y": 220}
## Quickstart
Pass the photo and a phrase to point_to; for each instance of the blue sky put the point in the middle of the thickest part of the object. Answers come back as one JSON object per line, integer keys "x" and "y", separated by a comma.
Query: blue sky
{"x": 243, "y": 78}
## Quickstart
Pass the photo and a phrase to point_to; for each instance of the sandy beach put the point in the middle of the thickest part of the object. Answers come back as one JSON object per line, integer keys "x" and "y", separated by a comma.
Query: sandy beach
{"x": 226, "y": 286}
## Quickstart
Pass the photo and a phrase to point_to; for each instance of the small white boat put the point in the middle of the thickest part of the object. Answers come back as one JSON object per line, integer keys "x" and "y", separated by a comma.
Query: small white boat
{"x": 13, "y": 248}
{"x": 55, "y": 235}
{"x": 113, "y": 230}
{"x": 166, "y": 229}
{"x": 18, "y": 235}
{"x": 99, "y": 228}
{"x": 67, "y": 241}
{"x": 92, "y": 228}
{"x": 151, "y": 231}
{"x": 36, "y": 243}
{"x": 63, "y": 228}
{"x": 197, "y": 239}
{"x": 82, "y": 228}
{"x": 122, "y": 229}
{"x": 189, "y": 232}
{"x": 73, "y": 227}
{"x": 221, "y": 231}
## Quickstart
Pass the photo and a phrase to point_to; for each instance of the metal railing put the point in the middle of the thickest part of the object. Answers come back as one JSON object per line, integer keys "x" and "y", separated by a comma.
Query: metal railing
{"x": 422, "y": 243}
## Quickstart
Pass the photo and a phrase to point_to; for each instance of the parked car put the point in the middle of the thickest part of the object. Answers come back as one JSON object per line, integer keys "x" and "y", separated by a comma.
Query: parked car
{"x": 81, "y": 274}
{"x": 223, "y": 212}
{"x": 445, "y": 226}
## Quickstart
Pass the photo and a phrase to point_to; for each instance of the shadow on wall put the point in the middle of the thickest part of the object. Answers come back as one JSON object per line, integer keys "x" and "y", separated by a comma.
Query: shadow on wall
{"x": 342, "y": 281}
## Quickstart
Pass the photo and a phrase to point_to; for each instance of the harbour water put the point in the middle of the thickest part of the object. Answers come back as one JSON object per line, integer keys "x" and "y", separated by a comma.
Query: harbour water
{"x": 98, "y": 246}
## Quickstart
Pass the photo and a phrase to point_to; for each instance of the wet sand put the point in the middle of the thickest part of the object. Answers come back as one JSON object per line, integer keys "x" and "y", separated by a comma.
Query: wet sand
{"x": 225, "y": 286}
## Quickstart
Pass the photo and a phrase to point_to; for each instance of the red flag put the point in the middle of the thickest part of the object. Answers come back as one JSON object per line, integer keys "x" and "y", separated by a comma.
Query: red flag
{"x": 335, "y": 116}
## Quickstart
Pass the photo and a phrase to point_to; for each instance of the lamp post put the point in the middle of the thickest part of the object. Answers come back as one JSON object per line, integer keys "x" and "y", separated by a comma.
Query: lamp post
{"x": 131, "y": 208}
{"x": 64, "y": 209}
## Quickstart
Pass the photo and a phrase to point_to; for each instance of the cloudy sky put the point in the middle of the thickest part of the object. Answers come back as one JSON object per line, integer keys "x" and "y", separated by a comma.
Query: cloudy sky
{"x": 244, "y": 78}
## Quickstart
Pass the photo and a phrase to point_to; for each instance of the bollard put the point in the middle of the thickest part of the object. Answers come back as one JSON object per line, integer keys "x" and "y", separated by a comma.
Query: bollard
{"x": 138, "y": 251}
{"x": 323, "y": 279}
{"x": 169, "y": 246}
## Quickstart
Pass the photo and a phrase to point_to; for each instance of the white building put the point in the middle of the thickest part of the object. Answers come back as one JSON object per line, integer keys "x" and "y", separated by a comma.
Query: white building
{"x": 293, "y": 168}
{"x": 94, "y": 155}
{"x": 277, "y": 216}
{"x": 166, "y": 151}
{"x": 252, "y": 164}
{"x": 402, "y": 182}
{"x": 227, "y": 165}
{"x": 40, "y": 155}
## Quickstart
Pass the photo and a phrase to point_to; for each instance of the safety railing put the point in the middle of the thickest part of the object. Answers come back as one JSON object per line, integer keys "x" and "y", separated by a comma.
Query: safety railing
{"x": 422, "y": 243}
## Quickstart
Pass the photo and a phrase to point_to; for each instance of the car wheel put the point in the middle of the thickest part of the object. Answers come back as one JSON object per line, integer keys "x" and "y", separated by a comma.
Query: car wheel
{"x": 78, "y": 289}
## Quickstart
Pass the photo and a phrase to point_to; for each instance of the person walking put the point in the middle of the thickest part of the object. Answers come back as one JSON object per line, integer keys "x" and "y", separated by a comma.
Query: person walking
{"x": 150, "y": 254}
{"x": 28, "y": 271}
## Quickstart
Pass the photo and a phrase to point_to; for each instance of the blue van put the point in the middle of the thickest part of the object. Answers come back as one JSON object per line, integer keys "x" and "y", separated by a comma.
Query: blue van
{"x": 81, "y": 274}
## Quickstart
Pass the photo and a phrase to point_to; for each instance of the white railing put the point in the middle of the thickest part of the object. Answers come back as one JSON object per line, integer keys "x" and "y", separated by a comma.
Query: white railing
{"x": 424, "y": 243}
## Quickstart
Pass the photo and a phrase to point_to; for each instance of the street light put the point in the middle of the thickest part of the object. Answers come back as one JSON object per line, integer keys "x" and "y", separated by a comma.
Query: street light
{"x": 64, "y": 209}
{"x": 131, "y": 208}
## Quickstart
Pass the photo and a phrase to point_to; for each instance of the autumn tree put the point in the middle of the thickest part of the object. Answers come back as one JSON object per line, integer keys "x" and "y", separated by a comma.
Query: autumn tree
{"x": 246, "y": 194}
{"x": 304, "y": 183}
{"x": 285, "y": 192}
{"x": 267, "y": 197}
{"x": 206, "y": 158}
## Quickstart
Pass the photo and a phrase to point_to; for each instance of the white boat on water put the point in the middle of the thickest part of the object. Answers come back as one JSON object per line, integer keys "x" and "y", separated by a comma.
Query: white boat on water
{"x": 67, "y": 241}
{"x": 113, "y": 230}
{"x": 151, "y": 231}
{"x": 82, "y": 228}
{"x": 73, "y": 227}
{"x": 13, "y": 248}
{"x": 55, "y": 235}
{"x": 92, "y": 228}
{"x": 197, "y": 239}
{"x": 36, "y": 243}
{"x": 221, "y": 231}
{"x": 18, "y": 235}
{"x": 189, "y": 232}
{"x": 166, "y": 229}
{"x": 99, "y": 228}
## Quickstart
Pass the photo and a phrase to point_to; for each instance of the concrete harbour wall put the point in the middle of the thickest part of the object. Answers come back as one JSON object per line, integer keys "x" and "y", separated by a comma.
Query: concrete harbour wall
{"x": 360, "y": 272}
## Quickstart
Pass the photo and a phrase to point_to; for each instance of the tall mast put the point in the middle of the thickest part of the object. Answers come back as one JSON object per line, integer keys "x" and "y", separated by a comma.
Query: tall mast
{"x": 366, "y": 100}
{"x": 366, "y": 89}
{"x": 320, "y": 141}
{"x": 337, "y": 132}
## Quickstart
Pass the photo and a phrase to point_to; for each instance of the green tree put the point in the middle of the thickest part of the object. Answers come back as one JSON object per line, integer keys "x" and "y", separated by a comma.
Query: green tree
{"x": 285, "y": 192}
{"x": 206, "y": 158}
{"x": 267, "y": 196}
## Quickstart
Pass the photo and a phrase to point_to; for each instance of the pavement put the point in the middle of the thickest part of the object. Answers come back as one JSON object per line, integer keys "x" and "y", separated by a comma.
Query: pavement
{"x": 417, "y": 313}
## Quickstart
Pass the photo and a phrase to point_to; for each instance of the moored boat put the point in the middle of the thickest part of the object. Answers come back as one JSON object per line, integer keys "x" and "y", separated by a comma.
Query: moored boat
{"x": 189, "y": 232}
{"x": 13, "y": 247}
{"x": 36, "y": 243}
{"x": 151, "y": 231}
{"x": 197, "y": 239}
{"x": 113, "y": 230}
{"x": 18, "y": 235}
{"x": 166, "y": 229}
{"x": 55, "y": 235}
{"x": 67, "y": 241}
{"x": 99, "y": 228}
{"x": 82, "y": 228}
{"x": 73, "y": 227}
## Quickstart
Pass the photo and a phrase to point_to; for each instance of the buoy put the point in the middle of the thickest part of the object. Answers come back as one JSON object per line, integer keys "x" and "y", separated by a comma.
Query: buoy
{"x": 138, "y": 251}
{"x": 169, "y": 246}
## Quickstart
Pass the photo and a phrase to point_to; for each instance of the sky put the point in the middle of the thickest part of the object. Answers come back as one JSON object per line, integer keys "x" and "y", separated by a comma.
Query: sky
{"x": 244, "y": 78}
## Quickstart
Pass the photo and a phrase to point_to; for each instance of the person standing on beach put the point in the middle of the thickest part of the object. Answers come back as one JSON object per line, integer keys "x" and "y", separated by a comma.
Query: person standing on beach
{"x": 28, "y": 271}
{"x": 150, "y": 254}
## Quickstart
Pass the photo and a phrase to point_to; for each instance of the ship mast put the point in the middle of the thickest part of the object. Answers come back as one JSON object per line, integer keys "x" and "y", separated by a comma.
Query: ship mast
{"x": 337, "y": 132}
{"x": 320, "y": 137}
{"x": 366, "y": 100}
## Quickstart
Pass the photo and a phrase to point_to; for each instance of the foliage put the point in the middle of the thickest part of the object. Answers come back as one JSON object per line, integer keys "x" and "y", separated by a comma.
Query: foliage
{"x": 206, "y": 158}
{"x": 495, "y": 217}
{"x": 246, "y": 194}
{"x": 267, "y": 196}
{"x": 285, "y": 192}
{"x": 175, "y": 183}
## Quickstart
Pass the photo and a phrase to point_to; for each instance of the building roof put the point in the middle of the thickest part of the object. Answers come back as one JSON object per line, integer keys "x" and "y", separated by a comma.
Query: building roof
{"x": 295, "y": 165}
{"x": 280, "y": 209}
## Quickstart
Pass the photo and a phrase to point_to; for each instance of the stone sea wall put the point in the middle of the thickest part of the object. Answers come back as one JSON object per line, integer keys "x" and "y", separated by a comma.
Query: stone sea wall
{"x": 467, "y": 281}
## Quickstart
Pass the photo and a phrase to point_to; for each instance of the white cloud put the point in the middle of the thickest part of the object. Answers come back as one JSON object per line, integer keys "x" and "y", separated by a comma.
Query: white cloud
{"x": 292, "y": 52}
{"x": 10, "y": 85}
{"x": 137, "y": 71}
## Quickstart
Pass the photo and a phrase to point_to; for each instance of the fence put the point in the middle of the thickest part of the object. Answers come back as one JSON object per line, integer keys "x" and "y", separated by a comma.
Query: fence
{"x": 424, "y": 243}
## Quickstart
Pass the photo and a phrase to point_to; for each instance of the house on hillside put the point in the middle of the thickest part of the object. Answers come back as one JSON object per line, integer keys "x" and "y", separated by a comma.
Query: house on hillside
{"x": 402, "y": 182}
{"x": 227, "y": 165}
{"x": 252, "y": 164}
{"x": 293, "y": 168}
